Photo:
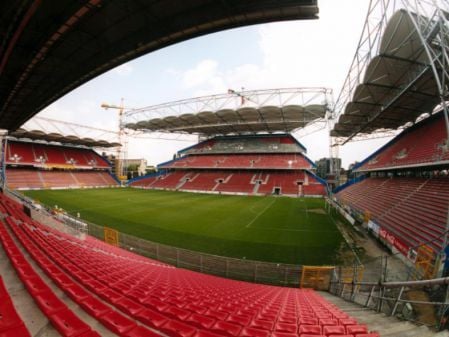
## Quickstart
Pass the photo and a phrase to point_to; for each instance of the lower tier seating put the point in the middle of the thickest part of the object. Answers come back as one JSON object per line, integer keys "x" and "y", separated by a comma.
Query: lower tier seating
{"x": 136, "y": 296}
{"x": 19, "y": 178}
{"x": 414, "y": 210}
{"x": 233, "y": 181}
{"x": 11, "y": 325}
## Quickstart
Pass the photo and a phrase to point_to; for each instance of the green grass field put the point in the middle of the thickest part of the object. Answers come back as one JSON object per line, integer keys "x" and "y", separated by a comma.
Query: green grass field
{"x": 276, "y": 229}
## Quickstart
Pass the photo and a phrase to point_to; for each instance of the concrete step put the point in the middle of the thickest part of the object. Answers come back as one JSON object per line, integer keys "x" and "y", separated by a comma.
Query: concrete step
{"x": 386, "y": 326}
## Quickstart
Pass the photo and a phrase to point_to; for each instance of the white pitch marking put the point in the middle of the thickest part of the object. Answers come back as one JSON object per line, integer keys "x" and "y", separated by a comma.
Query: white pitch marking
{"x": 258, "y": 215}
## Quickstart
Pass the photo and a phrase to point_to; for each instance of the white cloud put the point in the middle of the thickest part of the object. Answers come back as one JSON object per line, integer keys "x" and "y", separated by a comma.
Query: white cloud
{"x": 202, "y": 74}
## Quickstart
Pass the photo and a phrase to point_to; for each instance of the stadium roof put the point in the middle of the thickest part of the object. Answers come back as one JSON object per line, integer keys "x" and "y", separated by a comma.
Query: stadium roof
{"x": 398, "y": 84}
{"x": 245, "y": 120}
{"x": 48, "y": 48}
{"x": 56, "y": 137}
{"x": 249, "y": 112}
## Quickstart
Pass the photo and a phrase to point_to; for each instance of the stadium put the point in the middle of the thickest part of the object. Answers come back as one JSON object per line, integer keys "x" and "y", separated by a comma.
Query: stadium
{"x": 240, "y": 233}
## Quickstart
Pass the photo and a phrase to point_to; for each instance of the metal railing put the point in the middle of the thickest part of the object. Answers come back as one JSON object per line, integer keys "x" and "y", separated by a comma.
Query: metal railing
{"x": 423, "y": 302}
{"x": 239, "y": 269}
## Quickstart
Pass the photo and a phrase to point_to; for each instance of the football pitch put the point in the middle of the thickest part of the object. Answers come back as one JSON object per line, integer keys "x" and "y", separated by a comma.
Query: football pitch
{"x": 275, "y": 229}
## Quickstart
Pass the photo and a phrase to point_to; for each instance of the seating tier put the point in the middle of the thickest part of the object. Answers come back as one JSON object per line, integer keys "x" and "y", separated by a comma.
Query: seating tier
{"x": 414, "y": 210}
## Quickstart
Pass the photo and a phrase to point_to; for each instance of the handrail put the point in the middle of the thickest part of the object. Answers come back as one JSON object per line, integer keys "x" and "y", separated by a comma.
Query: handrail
{"x": 398, "y": 284}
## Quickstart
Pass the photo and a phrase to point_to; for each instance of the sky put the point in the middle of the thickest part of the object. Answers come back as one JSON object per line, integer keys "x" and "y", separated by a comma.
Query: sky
{"x": 313, "y": 53}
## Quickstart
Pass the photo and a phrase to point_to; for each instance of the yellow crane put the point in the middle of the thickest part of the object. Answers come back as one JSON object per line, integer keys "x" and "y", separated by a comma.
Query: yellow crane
{"x": 121, "y": 153}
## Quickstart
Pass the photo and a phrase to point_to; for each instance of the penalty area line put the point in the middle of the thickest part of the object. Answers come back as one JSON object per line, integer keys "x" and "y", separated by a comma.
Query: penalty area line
{"x": 261, "y": 212}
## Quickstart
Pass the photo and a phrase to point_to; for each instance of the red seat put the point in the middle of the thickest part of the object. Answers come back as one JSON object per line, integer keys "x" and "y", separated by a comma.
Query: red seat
{"x": 155, "y": 303}
{"x": 8, "y": 315}
{"x": 308, "y": 321}
{"x": 310, "y": 329}
{"x": 227, "y": 328}
{"x": 129, "y": 306}
{"x": 262, "y": 324}
{"x": 35, "y": 285}
{"x": 356, "y": 329}
{"x": 62, "y": 280}
{"x": 68, "y": 324}
{"x": 16, "y": 332}
{"x": 110, "y": 295}
{"x": 328, "y": 321}
{"x": 243, "y": 320}
{"x": 348, "y": 321}
{"x": 76, "y": 293}
{"x": 177, "y": 313}
{"x": 201, "y": 321}
{"x": 334, "y": 330}
{"x": 286, "y": 327}
{"x": 254, "y": 332}
{"x": 151, "y": 318}
{"x": 178, "y": 329}
{"x": 117, "y": 323}
{"x": 49, "y": 303}
{"x": 94, "y": 285}
{"x": 94, "y": 307}
{"x": 220, "y": 315}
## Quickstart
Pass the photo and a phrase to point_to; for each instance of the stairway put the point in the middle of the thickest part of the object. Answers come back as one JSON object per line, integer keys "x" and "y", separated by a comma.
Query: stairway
{"x": 256, "y": 188}
{"x": 386, "y": 326}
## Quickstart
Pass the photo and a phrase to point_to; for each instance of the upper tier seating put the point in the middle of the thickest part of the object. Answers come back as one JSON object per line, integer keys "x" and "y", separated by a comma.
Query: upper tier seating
{"x": 19, "y": 153}
{"x": 414, "y": 210}
{"x": 405, "y": 150}
{"x": 254, "y": 161}
{"x": 108, "y": 282}
{"x": 21, "y": 178}
{"x": 257, "y": 144}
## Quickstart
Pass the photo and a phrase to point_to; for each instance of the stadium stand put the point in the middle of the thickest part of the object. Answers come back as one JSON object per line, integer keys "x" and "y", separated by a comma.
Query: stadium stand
{"x": 405, "y": 196}
{"x": 43, "y": 155}
{"x": 264, "y": 164}
{"x": 405, "y": 151}
{"x": 36, "y": 165}
{"x": 135, "y": 296}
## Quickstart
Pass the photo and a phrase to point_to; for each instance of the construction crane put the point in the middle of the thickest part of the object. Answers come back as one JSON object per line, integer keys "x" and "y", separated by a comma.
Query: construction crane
{"x": 122, "y": 151}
